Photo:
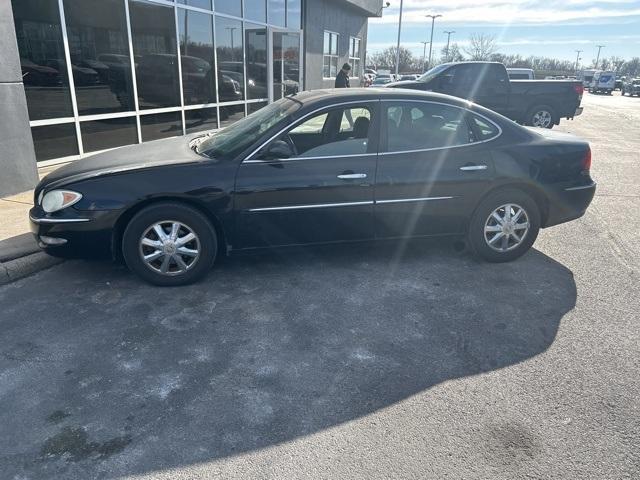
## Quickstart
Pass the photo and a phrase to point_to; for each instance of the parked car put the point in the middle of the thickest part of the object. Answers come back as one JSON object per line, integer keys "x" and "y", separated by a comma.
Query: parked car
{"x": 539, "y": 103}
{"x": 409, "y": 76}
{"x": 631, "y": 87}
{"x": 411, "y": 164}
{"x": 379, "y": 81}
{"x": 618, "y": 84}
{"x": 520, "y": 74}
{"x": 603, "y": 82}
{"x": 586, "y": 76}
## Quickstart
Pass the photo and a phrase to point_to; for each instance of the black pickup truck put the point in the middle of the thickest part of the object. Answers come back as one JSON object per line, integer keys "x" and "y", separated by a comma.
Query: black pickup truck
{"x": 540, "y": 103}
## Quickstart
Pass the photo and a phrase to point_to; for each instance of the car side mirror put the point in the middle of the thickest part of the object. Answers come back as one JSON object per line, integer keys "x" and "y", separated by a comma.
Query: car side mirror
{"x": 277, "y": 149}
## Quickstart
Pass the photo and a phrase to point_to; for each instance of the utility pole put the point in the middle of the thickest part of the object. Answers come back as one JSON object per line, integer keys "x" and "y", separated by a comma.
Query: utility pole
{"x": 448, "y": 38}
{"x": 398, "y": 45}
{"x": 433, "y": 21}
{"x": 424, "y": 54}
{"x": 578, "y": 59}
{"x": 600, "y": 47}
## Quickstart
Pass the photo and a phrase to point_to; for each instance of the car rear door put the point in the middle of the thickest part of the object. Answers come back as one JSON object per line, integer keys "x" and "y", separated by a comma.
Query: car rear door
{"x": 433, "y": 167}
{"x": 322, "y": 191}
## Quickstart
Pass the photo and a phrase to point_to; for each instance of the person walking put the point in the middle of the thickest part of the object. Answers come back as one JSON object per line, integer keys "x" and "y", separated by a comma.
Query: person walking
{"x": 342, "y": 79}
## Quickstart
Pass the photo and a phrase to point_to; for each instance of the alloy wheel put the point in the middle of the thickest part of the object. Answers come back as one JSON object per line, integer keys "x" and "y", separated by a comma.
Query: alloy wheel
{"x": 506, "y": 227}
{"x": 169, "y": 247}
{"x": 542, "y": 118}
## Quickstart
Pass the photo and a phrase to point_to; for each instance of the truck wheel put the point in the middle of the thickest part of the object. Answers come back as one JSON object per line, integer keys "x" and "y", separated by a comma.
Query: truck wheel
{"x": 541, "y": 116}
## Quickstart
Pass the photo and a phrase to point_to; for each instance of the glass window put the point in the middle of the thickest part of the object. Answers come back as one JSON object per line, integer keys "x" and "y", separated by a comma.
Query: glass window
{"x": 277, "y": 12}
{"x": 354, "y": 56}
{"x": 230, "y": 114}
{"x": 330, "y": 55}
{"x": 485, "y": 129}
{"x": 201, "y": 119}
{"x": 231, "y": 7}
{"x": 294, "y": 13}
{"x": 99, "y": 49}
{"x": 206, "y": 4}
{"x": 44, "y": 70}
{"x": 254, "y": 107}
{"x": 341, "y": 131}
{"x": 230, "y": 64}
{"x": 153, "y": 29}
{"x": 418, "y": 126}
{"x": 255, "y": 10}
{"x": 160, "y": 125}
{"x": 256, "y": 54}
{"x": 108, "y": 133}
{"x": 55, "y": 141}
{"x": 197, "y": 57}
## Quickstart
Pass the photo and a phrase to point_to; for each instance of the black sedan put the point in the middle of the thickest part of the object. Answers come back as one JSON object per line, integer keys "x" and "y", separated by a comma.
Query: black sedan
{"x": 318, "y": 167}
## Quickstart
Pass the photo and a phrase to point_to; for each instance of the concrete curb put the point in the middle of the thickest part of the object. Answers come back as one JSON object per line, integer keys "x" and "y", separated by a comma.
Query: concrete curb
{"x": 24, "y": 266}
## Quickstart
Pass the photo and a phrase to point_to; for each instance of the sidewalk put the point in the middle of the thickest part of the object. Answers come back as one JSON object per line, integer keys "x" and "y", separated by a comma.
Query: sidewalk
{"x": 19, "y": 253}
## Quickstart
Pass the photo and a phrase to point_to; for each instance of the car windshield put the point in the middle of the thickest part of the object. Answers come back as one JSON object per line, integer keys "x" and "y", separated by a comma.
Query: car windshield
{"x": 426, "y": 77}
{"x": 238, "y": 136}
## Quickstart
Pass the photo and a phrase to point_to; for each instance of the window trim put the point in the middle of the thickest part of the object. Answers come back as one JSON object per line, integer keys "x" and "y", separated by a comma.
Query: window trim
{"x": 438, "y": 148}
{"x": 330, "y": 55}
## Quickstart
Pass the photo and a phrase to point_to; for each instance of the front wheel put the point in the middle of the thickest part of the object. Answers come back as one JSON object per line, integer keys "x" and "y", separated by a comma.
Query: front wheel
{"x": 504, "y": 226}
{"x": 541, "y": 116}
{"x": 169, "y": 244}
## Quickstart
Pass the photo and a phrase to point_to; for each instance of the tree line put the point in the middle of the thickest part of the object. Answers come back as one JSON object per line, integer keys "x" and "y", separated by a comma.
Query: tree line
{"x": 482, "y": 47}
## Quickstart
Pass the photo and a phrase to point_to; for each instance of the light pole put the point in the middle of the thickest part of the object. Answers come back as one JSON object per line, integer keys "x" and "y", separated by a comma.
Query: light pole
{"x": 433, "y": 21}
{"x": 578, "y": 59}
{"x": 600, "y": 47}
{"x": 231, "y": 30}
{"x": 424, "y": 54}
{"x": 448, "y": 38}
{"x": 398, "y": 45}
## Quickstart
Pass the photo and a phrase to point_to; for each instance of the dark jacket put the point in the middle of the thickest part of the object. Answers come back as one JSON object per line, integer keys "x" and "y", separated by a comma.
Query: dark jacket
{"x": 342, "y": 80}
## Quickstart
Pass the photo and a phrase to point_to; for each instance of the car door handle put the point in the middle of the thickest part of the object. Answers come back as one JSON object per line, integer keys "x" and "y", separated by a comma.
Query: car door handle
{"x": 350, "y": 176}
{"x": 468, "y": 168}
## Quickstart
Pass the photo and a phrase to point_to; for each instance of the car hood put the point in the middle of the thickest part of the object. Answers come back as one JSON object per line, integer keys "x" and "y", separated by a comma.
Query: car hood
{"x": 171, "y": 151}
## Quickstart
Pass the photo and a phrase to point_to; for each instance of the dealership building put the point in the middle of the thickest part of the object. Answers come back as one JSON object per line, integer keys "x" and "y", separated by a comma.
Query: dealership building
{"x": 83, "y": 76}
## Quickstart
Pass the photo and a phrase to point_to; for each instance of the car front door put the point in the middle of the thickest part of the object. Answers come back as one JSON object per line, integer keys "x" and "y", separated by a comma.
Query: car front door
{"x": 313, "y": 183}
{"x": 433, "y": 167}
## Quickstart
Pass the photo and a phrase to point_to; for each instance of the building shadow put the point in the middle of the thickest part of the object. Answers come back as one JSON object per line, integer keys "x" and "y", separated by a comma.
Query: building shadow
{"x": 131, "y": 379}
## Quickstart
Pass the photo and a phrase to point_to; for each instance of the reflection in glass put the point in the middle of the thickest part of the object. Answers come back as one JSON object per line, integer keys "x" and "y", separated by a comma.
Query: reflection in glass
{"x": 294, "y": 13}
{"x": 230, "y": 114}
{"x": 99, "y": 50}
{"x": 256, "y": 54}
{"x": 201, "y": 119}
{"x": 254, "y": 107}
{"x": 153, "y": 29}
{"x": 255, "y": 10}
{"x": 197, "y": 57}
{"x": 44, "y": 72}
{"x": 277, "y": 13}
{"x": 206, "y": 4}
{"x": 231, "y": 7}
{"x": 230, "y": 64}
{"x": 109, "y": 133}
{"x": 160, "y": 125}
{"x": 286, "y": 64}
{"x": 55, "y": 141}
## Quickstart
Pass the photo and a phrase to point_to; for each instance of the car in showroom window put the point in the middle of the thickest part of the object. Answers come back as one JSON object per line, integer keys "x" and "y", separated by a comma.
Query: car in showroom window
{"x": 317, "y": 167}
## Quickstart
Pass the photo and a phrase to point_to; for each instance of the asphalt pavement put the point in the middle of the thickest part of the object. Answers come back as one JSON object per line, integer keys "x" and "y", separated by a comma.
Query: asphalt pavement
{"x": 397, "y": 360}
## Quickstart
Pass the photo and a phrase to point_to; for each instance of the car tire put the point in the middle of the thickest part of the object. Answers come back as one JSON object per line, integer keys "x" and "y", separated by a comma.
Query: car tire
{"x": 169, "y": 244}
{"x": 484, "y": 225}
{"x": 542, "y": 116}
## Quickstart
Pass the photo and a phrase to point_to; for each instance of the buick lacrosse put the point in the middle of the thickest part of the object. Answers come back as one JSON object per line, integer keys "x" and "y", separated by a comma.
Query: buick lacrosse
{"x": 318, "y": 167}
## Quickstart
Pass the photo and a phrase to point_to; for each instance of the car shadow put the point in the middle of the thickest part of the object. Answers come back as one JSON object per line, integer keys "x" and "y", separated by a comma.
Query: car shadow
{"x": 120, "y": 378}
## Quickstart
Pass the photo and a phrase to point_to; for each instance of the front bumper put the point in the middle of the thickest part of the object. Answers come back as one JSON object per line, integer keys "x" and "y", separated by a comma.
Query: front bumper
{"x": 74, "y": 233}
{"x": 569, "y": 203}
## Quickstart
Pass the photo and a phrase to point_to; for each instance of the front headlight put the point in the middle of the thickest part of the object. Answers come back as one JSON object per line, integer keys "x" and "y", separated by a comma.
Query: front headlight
{"x": 58, "y": 199}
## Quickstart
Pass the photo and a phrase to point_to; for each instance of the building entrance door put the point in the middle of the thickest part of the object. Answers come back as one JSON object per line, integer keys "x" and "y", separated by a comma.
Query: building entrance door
{"x": 286, "y": 67}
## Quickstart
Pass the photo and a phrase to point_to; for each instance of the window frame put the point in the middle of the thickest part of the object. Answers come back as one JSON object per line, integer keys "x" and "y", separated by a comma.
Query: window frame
{"x": 331, "y": 55}
{"x": 353, "y": 58}
{"x": 385, "y": 133}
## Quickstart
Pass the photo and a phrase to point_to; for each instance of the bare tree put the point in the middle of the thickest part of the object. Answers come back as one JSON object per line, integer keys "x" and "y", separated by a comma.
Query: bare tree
{"x": 481, "y": 46}
{"x": 453, "y": 55}
{"x": 387, "y": 59}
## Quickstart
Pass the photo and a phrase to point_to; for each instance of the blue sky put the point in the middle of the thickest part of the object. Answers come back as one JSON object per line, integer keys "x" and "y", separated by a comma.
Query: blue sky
{"x": 550, "y": 28}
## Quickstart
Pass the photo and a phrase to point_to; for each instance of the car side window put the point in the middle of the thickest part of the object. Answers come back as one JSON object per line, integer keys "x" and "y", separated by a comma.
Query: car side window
{"x": 332, "y": 133}
{"x": 485, "y": 129}
{"x": 422, "y": 126}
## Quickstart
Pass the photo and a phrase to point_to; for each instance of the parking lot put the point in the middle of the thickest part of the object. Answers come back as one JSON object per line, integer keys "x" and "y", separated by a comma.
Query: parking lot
{"x": 396, "y": 360}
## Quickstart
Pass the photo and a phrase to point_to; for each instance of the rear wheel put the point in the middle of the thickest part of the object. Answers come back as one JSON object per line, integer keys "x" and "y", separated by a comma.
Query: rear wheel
{"x": 542, "y": 116}
{"x": 504, "y": 226}
{"x": 169, "y": 244}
